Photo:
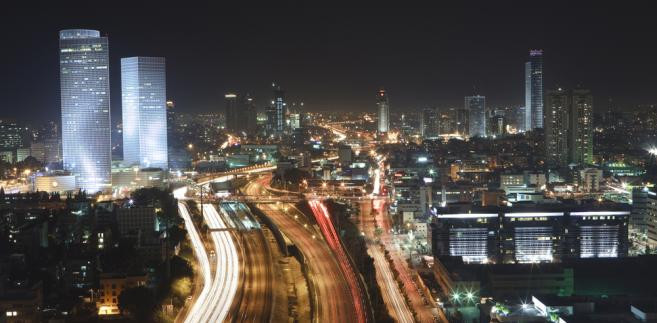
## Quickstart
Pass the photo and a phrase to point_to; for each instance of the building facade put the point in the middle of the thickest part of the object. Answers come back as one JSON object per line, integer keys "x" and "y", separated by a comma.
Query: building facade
{"x": 143, "y": 90}
{"x": 569, "y": 127}
{"x": 534, "y": 90}
{"x": 430, "y": 123}
{"x": 383, "y": 108}
{"x": 556, "y": 127}
{"x": 531, "y": 235}
{"x": 476, "y": 107}
{"x": 85, "y": 104}
{"x": 581, "y": 120}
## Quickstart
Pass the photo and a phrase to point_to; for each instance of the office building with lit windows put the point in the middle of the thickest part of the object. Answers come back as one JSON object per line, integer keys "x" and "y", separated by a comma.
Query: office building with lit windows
{"x": 569, "y": 127}
{"x": 85, "y": 105}
{"x": 143, "y": 90}
{"x": 530, "y": 234}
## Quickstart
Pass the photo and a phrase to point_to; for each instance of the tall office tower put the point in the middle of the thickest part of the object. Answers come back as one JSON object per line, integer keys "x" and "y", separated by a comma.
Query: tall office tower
{"x": 85, "y": 99}
{"x": 383, "y": 111}
{"x": 251, "y": 114}
{"x": 430, "y": 123}
{"x": 581, "y": 133}
{"x": 557, "y": 121}
{"x": 476, "y": 107}
{"x": 276, "y": 117}
{"x": 534, "y": 90}
{"x": 232, "y": 113}
{"x": 143, "y": 89}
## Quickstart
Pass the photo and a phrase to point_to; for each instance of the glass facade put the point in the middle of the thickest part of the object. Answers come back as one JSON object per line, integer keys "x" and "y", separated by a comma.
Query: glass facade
{"x": 143, "y": 91}
{"x": 383, "y": 111}
{"x": 476, "y": 107}
{"x": 85, "y": 104}
{"x": 534, "y": 90}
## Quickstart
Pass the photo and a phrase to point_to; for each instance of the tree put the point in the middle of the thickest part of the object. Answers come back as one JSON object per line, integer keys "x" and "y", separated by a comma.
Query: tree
{"x": 138, "y": 302}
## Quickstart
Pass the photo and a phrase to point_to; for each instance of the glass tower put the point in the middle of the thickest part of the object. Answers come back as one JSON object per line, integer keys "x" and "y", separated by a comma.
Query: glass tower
{"x": 534, "y": 90}
{"x": 384, "y": 111}
{"x": 143, "y": 91}
{"x": 85, "y": 100}
{"x": 476, "y": 107}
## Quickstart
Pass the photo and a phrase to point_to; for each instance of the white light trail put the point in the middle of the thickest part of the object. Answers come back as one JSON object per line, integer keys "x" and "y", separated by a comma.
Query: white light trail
{"x": 201, "y": 256}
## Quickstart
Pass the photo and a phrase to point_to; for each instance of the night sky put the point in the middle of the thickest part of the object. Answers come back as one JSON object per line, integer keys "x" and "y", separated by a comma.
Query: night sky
{"x": 336, "y": 57}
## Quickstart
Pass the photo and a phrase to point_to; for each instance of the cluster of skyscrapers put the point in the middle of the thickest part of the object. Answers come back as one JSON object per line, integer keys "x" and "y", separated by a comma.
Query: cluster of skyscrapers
{"x": 565, "y": 116}
{"x": 85, "y": 104}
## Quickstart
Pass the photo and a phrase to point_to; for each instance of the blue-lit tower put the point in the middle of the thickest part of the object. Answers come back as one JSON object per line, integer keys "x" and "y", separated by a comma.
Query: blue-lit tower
{"x": 143, "y": 92}
{"x": 85, "y": 104}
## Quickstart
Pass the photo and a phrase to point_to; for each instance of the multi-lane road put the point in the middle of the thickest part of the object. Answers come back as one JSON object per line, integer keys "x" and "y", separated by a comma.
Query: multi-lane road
{"x": 392, "y": 295}
{"x": 334, "y": 301}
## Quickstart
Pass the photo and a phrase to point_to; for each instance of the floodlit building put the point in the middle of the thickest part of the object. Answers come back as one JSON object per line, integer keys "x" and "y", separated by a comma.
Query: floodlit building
{"x": 143, "y": 90}
{"x": 534, "y": 91}
{"x": 85, "y": 103}
{"x": 530, "y": 234}
{"x": 383, "y": 109}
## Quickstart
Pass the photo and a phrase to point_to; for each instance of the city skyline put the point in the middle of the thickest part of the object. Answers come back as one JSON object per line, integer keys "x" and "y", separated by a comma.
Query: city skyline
{"x": 437, "y": 72}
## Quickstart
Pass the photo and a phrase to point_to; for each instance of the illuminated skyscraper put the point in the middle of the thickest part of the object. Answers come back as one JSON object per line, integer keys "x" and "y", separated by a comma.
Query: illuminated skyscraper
{"x": 383, "y": 111}
{"x": 85, "y": 100}
{"x": 534, "y": 90}
{"x": 476, "y": 107}
{"x": 143, "y": 90}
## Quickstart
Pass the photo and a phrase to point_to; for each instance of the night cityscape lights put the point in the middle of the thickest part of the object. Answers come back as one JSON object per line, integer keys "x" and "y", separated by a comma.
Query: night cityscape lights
{"x": 281, "y": 163}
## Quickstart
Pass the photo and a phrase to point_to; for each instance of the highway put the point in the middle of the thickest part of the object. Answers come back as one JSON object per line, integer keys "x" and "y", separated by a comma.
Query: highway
{"x": 392, "y": 295}
{"x": 203, "y": 262}
{"x": 216, "y": 305}
{"x": 334, "y": 301}
{"x": 357, "y": 294}
{"x": 255, "y": 303}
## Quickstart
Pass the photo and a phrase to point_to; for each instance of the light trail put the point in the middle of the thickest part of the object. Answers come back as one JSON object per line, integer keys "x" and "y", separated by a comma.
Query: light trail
{"x": 201, "y": 256}
{"x": 215, "y": 308}
{"x": 322, "y": 217}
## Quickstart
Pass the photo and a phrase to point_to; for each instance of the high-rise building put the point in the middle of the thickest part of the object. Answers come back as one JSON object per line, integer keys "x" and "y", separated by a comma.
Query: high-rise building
{"x": 11, "y": 134}
{"x": 276, "y": 114}
{"x": 556, "y": 127}
{"x": 476, "y": 107}
{"x": 383, "y": 111}
{"x": 232, "y": 114}
{"x": 240, "y": 113}
{"x": 569, "y": 127}
{"x": 85, "y": 100}
{"x": 430, "y": 123}
{"x": 534, "y": 90}
{"x": 581, "y": 120}
{"x": 143, "y": 89}
{"x": 251, "y": 114}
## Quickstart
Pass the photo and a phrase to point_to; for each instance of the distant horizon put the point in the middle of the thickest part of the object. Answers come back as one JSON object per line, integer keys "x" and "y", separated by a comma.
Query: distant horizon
{"x": 336, "y": 60}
